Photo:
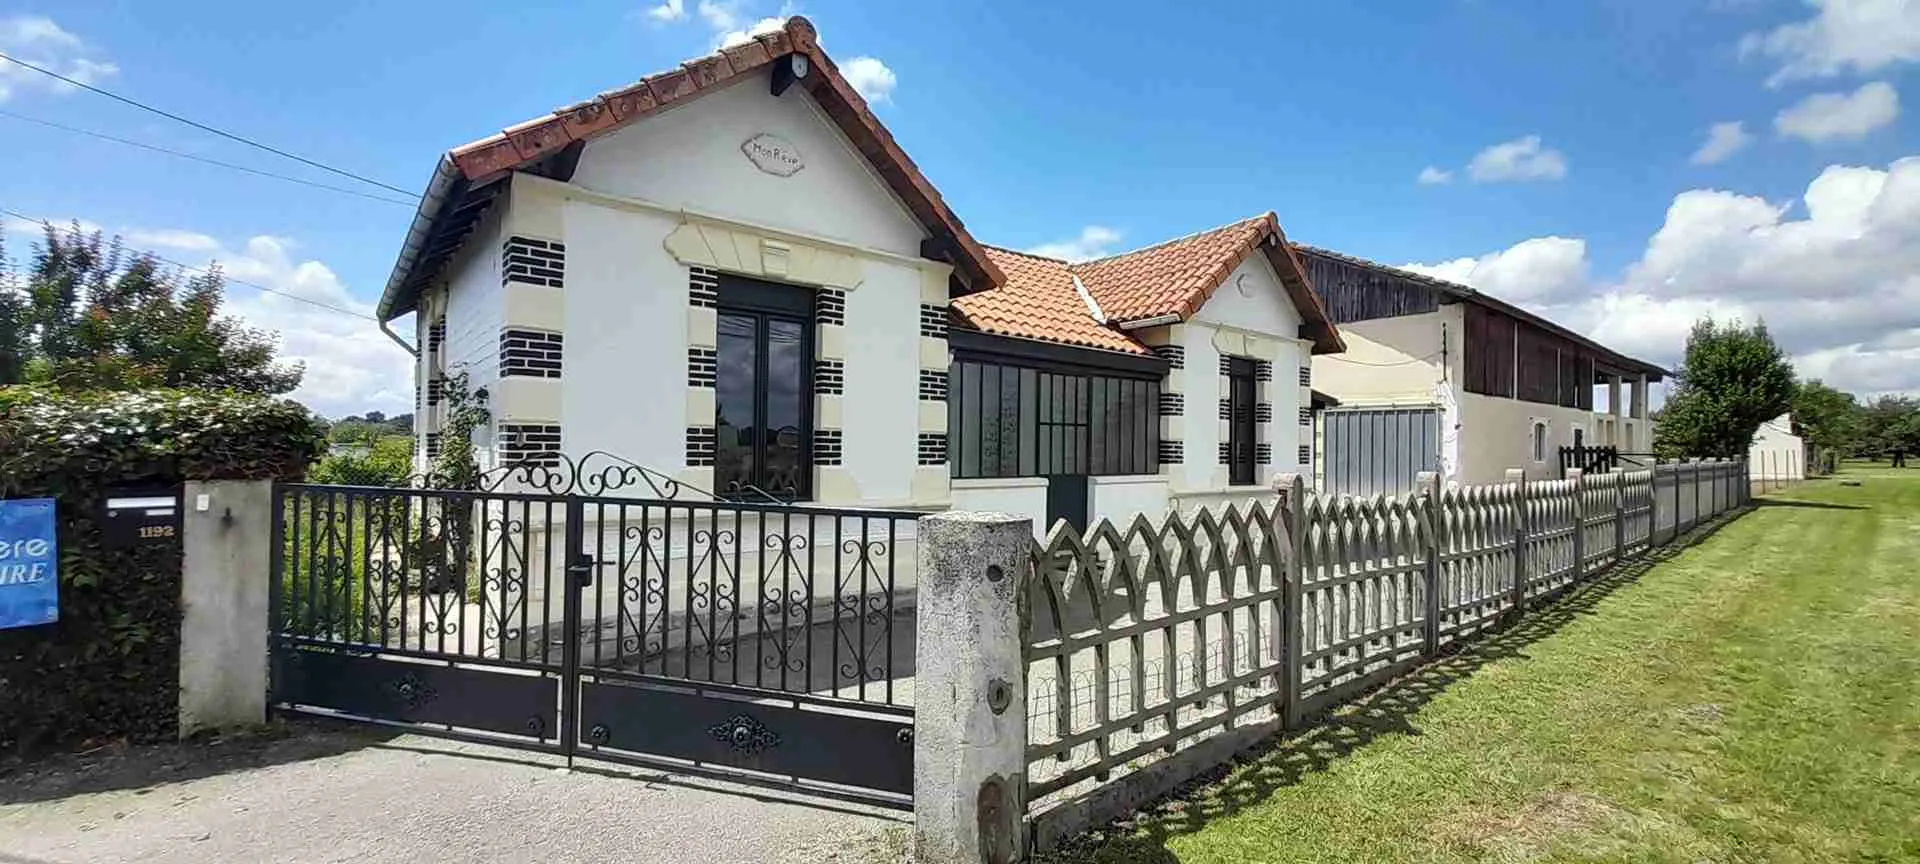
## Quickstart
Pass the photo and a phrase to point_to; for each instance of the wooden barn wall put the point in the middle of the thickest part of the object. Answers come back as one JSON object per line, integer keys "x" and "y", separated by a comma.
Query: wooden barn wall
{"x": 1354, "y": 293}
{"x": 1552, "y": 370}
{"x": 1489, "y": 347}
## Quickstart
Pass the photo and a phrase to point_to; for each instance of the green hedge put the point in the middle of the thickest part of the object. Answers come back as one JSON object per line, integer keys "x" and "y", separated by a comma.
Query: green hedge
{"x": 110, "y": 667}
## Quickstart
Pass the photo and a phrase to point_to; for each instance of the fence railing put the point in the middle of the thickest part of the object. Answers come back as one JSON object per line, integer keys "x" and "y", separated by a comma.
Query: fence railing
{"x": 1156, "y": 650}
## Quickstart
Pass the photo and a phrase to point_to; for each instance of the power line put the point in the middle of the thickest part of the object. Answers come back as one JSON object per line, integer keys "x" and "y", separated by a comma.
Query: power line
{"x": 202, "y": 126}
{"x": 224, "y": 278}
{"x": 215, "y": 162}
{"x": 1339, "y": 359}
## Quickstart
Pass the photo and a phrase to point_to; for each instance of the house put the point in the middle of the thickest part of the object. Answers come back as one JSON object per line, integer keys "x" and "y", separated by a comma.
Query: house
{"x": 1777, "y": 455}
{"x": 1441, "y": 377}
{"x": 732, "y": 274}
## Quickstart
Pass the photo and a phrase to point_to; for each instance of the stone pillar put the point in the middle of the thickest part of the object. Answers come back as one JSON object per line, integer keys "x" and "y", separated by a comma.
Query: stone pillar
{"x": 1614, "y": 405}
{"x": 970, "y": 712}
{"x": 226, "y": 542}
{"x": 1518, "y": 478}
{"x": 1639, "y": 397}
{"x": 1579, "y": 524}
{"x": 1426, "y": 485}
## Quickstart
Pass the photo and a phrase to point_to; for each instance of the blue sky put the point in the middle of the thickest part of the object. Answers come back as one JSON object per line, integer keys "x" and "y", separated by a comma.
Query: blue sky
{"x": 1082, "y": 128}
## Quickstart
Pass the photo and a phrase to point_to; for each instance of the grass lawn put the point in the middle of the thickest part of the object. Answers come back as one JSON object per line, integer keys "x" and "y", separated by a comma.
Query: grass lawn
{"x": 1755, "y": 697}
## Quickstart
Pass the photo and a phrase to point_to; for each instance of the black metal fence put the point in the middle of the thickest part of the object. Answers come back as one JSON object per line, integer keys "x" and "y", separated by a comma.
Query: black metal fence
{"x": 538, "y": 618}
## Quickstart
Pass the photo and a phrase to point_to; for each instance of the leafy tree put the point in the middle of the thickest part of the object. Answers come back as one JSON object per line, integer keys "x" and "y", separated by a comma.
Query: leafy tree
{"x": 1734, "y": 379}
{"x": 1828, "y": 419}
{"x": 1890, "y": 423}
{"x": 372, "y": 461}
{"x": 86, "y": 314}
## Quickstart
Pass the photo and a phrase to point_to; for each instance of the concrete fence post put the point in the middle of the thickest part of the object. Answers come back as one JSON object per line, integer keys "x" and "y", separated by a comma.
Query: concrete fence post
{"x": 1427, "y": 484}
{"x": 1518, "y": 477}
{"x": 226, "y": 529}
{"x": 1574, "y": 478}
{"x": 1619, "y": 516}
{"x": 1292, "y": 511}
{"x": 970, "y": 694}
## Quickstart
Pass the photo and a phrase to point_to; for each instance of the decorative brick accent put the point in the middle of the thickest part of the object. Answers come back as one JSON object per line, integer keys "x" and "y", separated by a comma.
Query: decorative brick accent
{"x": 933, "y": 385}
{"x": 701, "y": 441}
{"x": 437, "y": 334}
{"x": 1226, "y": 365}
{"x": 529, "y": 353}
{"x": 1306, "y": 376}
{"x": 1172, "y": 452}
{"x": 1306, "y": 416}
{"x": 1263, "y": 412}
{"x": 830, "y": 306}
{"x": 1306, "y": 454}
{"x": 533, "y": 262}
{"x": 703, "y": 366}
{"x": 1262, "y": 370}
{"x": 1172, "y": 404}
{"x": 829, "y": 377}
{"x": 537, "y": 444}
{"x": 1226, "y": 409}
{"x": 933, "y": 448}
{"x": 703, "y": 288}
{"x": 933, "y": 321}
{"x": 826, "y": 446}
{"x": 1263, "y": 454}
{"x": 1226, "y": 453}
{"x": 1175, "y": 355}
{"x": 436, "y": 390}
{"x": 433, "y": 446}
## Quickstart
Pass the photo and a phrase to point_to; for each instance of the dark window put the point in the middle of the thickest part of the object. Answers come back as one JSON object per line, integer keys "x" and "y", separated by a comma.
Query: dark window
{"x": 1242, "y": 432}
{"x": 1007, "y": 420}
{"x": 763, "y": 401}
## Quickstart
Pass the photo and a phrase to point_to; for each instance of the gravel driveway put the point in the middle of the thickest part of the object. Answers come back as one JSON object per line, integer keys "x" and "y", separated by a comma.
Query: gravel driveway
{"x": 319, "y": 793}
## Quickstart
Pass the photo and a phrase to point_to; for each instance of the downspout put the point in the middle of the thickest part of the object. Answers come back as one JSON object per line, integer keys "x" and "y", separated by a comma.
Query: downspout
{"x": 399, "y": 341}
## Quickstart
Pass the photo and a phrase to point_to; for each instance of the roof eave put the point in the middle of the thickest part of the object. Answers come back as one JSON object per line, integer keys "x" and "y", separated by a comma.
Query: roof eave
{"x": 396, "y": 300}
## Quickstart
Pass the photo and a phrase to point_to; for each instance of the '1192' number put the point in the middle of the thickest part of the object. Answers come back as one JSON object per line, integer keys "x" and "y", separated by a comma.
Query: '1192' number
{"x": 148, "y": 532}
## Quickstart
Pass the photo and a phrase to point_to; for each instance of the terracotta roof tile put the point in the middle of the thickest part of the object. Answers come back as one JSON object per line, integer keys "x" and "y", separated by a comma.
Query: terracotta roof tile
{"x": 1171, "y": 278}
{"x": 1038, "y": 301}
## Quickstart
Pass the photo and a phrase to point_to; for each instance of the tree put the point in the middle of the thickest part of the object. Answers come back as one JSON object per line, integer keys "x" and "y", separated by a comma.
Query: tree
{"x": 89, "y": 315}
{"x": 1827, "y": 418}
{"x": 1890, "y": 423}
{"x": 1734, "y": 378}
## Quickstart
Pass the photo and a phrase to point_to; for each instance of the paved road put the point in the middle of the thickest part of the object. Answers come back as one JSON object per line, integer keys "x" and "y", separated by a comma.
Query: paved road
{"x": 321, "y": 794}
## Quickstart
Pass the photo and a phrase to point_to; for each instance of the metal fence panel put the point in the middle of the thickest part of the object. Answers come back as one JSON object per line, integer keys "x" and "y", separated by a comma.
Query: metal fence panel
{"x": 1379, "y": 451}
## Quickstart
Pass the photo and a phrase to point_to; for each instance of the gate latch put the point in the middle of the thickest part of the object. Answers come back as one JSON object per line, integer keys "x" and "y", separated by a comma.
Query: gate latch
{"x": 582, "y": 570}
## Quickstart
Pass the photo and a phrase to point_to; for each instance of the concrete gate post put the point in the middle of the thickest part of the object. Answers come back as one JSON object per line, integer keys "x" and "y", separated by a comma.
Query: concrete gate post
{"x": 226, "y": 540}
{"x": 970, "y": 699}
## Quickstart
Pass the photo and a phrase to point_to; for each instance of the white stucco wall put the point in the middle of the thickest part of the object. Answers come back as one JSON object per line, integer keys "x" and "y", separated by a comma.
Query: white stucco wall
{"x": 1018, "y": 496}
{"x": 1250, "y": 315}
{"x": 882, "y": 420}
{"x": 1388, "y": 361}
{"x": 689, "y": 156}
{"x": 1498, "y": 434}
{"x": 625, "y": 386}
{"x": 1118, "y": 498}
{"x": 475, "y": 307}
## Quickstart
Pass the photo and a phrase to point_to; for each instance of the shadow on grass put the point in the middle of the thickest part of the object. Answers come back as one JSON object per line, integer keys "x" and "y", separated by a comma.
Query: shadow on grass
{"x": 119, "y": 766}
{"x": 1808, "y": 505}
{"x": 1283, "y": 760}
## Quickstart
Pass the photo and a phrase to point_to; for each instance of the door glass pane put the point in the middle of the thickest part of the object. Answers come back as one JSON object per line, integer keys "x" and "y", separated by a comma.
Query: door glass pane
{"x": 733, "y": 419}
{"x": 786, "y": 427}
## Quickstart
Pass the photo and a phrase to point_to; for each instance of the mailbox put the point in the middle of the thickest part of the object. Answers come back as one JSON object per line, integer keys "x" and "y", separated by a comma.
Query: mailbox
{"x": 139, "y": 515}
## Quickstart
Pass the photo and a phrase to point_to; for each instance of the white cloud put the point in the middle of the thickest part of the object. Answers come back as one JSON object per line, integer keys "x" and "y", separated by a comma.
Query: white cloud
{"x": 1432, "y": 176}
{"x": 671, "y": 10}
{"x": 1840, "y": 116}
{"x": 169, "y": 239}
{"x": 1521, "y": 159}
{"x": 1544, "y": 269}
{"x": 870, "y": 78}
{"x": 1095, "y": 241}
{"x": 1839, "y": 288}
{"x": 1862, "y": 36}
{"x": 721, "y": 15}
{"x": 38, "y": 40}
{"x": 763, "y": 26}
{"x": 1723, "y": 140}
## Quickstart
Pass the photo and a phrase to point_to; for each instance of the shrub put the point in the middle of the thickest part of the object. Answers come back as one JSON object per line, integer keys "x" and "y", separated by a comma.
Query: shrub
{"x": 110, "y": 666}
{"x": 374, "y": 461}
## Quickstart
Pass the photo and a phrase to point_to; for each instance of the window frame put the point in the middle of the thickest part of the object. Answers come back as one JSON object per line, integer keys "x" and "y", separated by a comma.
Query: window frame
{"x": 1107, "y": 422}
{"x": 767, "y": 302}
{"x": 1243, "y": 432}
{"x": 1540, "y": 432}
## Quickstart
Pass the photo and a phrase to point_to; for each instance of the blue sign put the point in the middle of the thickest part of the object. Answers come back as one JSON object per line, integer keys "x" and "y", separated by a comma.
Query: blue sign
{"x": 29, "y": 564}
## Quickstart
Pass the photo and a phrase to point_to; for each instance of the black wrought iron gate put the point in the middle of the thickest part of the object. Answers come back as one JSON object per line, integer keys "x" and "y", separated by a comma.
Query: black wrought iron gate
{"x": 764, "y": 642}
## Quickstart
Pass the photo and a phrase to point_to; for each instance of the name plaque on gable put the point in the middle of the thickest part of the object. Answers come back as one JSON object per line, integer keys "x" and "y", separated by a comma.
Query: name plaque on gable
{"x": 773, "y": 154}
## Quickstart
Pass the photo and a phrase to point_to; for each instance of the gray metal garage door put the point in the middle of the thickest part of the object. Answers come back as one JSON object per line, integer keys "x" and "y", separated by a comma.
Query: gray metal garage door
{"x": 1379, "y": 450}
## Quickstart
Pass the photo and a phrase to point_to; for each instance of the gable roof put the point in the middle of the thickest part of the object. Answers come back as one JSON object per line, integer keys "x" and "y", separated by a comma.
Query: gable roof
{"x": 1039, "y": 301}
{"x": 468, "y": 176}
{"x": 1170, "y": 280}
{"x": 1452, "y": 292}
